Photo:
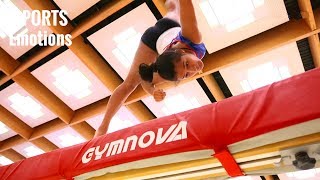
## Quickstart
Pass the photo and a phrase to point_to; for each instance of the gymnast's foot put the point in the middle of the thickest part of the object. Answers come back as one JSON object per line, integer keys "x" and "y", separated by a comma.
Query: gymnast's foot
{"x": 172, "y": 7}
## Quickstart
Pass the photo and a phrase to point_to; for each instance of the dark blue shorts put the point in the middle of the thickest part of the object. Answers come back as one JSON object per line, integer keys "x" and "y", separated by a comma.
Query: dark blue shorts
{"x": 151, "y": 35}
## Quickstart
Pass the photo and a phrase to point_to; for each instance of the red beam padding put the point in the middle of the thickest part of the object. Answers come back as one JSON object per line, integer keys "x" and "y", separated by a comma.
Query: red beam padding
{"x": 213, "y": 126}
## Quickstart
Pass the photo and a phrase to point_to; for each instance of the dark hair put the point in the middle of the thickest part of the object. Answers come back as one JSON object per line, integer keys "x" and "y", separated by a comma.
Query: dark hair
{"x": 164, "y": 65}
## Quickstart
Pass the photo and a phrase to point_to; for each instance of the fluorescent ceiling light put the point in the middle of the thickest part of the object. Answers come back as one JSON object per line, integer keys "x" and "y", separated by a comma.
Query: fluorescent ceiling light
{"x": 25, "y": 106}
{"x": 127, "y": 44}
{"x": 229, "y": 11}
{"x": 194, "y": 102}
{"x": 245, "y": 20}
{"x": 232, "y": 14}
{"x": 306, "y": 174}
{"x": 208, "y": 13}
{"x": 121, "y": 57}
{"x": 72, "y": 82}
{"x": 284, "y": 72}
{"x": 33, "y": 151}
{"x": 117, "y": 124}
{"x": 3, "y": 128}
{"x": 123, "y": 36}
{"x": 178, "y": 103}
{"x": 14, "y": 24}
{"x": 2, "y": 34}
{"x": 245, "y": 86}
{"x": 241, "y": 178}
{"x": 70, "y": 140}
{"x": 258, "y": 3}
{"x": 5, "y": 161}
{"x": 263, "y": 75}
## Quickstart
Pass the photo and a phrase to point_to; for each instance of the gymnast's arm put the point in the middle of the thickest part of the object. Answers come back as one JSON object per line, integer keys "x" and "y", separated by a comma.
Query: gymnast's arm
{"x": 148, "y": 87}
{"x": 188, "y": 20}
{"x": 116, "y": 100}
{"x": 121, "y": 93}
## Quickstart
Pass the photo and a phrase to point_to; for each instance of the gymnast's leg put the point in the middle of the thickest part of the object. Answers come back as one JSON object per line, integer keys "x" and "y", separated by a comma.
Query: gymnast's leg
{"x": 173, "y": 10}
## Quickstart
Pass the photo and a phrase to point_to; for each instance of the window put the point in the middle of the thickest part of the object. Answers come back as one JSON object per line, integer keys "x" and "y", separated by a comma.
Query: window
{"x": 14, "y": 25}
{"x": 72, "y": 82}
{"x": 127, "y": 44}
{"x": 26, "y": 106}
{"x": 230, "y": 14}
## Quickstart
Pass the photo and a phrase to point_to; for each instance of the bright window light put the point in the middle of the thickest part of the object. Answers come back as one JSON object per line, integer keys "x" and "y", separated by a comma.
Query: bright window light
{"x": 245, "y": 86}
{"x": 263, "y": 75}
{"x": 72, "y": 82}
{"x": 242, "y": 178}
{"x": 124, "y": 35}
{"x": 14, "y": 25}
{"x": 3, "y": 128}
{"x": 121, "y": 57}
{"x": 284, "y": 72}
{"x": 5, "y": 161}
{"x": 127, "y": 44}
{"x": 26, "y": 106}
{"x": 247, "y": 19}
{"x": 195, "y": 103}
{"x": 229, "y": 11}
{"x": 306, "y": 174}
{"x": 232, "y": 14}
{"x": 118, "y": 124}
{"x": 33, "y": 151}
{"x": 70, "y": 140}
{"x": 179, "y": 103}
{"x": 258, "y": 3}
{"x": 2, "y": 34}
{"x": 211, "y": 18}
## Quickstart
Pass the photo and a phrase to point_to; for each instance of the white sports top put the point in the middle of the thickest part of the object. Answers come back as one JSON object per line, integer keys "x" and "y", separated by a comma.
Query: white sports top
{"x": 165, "y": 38}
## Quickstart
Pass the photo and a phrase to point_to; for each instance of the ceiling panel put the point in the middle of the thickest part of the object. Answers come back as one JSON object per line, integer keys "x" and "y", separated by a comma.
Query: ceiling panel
{"x": 123, "y": 119}
{"x": 19, "y": 102}
{"x": 264, "y": 69}
{"x": 226, "y": 22}
{"x": 5, "y": 131}
{"x": 65, "y": 137}
{"x": 17, "y": 24}
{"x": 69, "y": 79}
{"x": 75, "y": 7}
{"x": 118, "y": 41}
{"x": 181, "y": 98}
{"x": 28, "y": 150}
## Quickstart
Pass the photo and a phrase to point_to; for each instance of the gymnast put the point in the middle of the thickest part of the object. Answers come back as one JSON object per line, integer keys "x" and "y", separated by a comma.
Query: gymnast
{"x": 171, "y": 50}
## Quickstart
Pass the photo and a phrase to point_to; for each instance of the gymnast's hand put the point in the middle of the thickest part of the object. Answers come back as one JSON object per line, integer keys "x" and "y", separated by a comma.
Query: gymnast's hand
{"x": 159, "y": 95}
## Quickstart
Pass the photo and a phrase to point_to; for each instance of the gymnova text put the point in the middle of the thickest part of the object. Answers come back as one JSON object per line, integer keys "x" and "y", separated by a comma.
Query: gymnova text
{"x": 42, "y": 38}
{"x": 176, "y": 132}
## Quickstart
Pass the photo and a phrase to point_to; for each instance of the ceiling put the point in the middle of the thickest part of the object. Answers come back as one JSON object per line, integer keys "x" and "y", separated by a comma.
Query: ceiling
{"x": 53, "y": 97}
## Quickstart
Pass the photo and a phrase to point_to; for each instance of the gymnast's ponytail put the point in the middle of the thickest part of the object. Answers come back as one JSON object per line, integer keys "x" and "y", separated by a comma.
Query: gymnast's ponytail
{"x": 146, "y": 71}
{"x": 164, "y": 66}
